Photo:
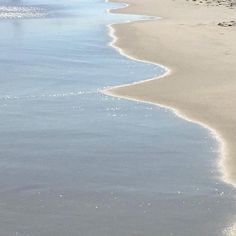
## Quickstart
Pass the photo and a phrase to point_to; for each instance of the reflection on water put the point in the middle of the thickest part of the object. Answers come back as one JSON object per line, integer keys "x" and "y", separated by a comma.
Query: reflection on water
{"x": 76, "y": 162}
{"x": 12, "y": 12}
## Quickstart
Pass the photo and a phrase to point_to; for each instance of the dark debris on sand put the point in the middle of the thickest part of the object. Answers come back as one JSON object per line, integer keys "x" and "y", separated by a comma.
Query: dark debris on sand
{"x": 226, "y": 3}
{"x": 227, "y": 23}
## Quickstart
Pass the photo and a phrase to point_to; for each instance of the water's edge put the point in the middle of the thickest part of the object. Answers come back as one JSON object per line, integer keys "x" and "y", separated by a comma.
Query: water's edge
{"x": 222, "y": 147}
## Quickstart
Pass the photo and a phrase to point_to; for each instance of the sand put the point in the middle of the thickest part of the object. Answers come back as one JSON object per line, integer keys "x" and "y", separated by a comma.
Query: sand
{"x": 201, "y": 56}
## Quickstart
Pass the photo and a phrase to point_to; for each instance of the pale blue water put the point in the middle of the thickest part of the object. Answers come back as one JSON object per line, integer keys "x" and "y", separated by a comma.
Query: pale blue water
{"x": 75, "y": 162}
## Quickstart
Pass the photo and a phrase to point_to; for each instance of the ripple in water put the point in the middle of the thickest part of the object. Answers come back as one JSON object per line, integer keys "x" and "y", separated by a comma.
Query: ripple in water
{"x": 16, "y": 12}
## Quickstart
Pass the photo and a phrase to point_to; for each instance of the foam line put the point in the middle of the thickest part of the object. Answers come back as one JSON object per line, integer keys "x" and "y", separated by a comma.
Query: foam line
{"x": 222, "y": 147}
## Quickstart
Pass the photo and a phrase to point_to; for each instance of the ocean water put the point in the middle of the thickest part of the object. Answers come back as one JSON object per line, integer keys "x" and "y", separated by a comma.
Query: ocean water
{"x": 78, "y": 163}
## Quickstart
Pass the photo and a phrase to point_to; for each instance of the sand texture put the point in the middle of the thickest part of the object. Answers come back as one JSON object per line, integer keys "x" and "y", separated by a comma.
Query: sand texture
{"x": 196, "y": 40}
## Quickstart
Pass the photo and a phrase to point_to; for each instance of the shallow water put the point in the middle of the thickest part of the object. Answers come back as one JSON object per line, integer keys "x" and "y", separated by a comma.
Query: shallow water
{"x": 76, "y": 162}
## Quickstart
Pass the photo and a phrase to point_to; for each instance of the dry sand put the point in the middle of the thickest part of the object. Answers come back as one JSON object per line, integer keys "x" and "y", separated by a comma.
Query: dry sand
{"x": 201, "y": 56}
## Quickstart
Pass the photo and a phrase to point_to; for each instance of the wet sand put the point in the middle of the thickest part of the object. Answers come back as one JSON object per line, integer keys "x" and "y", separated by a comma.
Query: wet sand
{"x": 196, "y": 41}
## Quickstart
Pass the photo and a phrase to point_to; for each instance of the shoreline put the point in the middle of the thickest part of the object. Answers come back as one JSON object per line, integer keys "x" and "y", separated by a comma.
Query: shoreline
{"x": 111, "y": 91}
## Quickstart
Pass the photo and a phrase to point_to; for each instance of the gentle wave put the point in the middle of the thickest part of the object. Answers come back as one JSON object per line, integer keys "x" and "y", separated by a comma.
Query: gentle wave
{"x": 16, "y": 12}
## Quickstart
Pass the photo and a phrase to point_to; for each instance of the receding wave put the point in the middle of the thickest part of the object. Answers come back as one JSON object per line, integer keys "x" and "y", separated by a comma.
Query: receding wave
{"x": 17, "y": 12}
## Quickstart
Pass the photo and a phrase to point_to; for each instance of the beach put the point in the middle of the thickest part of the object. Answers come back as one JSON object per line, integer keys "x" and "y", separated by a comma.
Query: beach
{"x": 74, "y": 161}
{"x": 196, "y": 41}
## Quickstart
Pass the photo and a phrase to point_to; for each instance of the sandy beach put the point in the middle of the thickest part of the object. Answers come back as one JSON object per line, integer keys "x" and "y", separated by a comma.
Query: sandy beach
{"x": 196, "y": 41}
{"x": 74, "y": 161}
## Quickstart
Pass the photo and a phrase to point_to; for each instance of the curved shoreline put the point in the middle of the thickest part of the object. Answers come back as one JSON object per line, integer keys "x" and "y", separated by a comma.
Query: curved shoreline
{"x": 222, "y": 147}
